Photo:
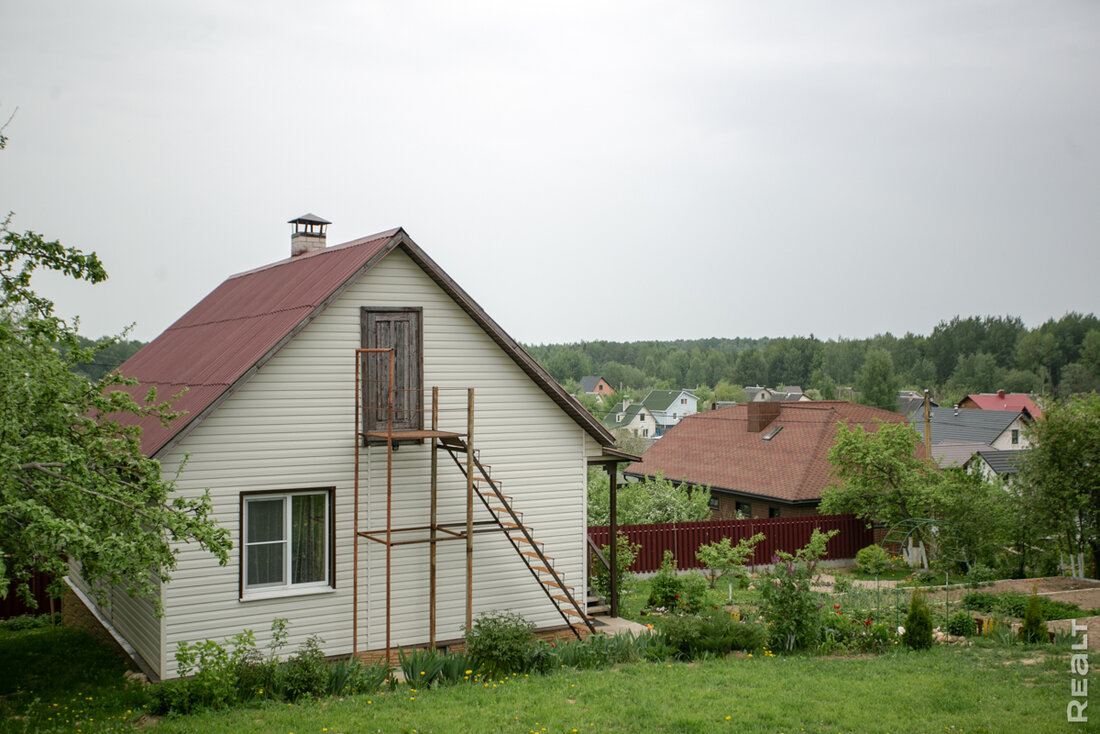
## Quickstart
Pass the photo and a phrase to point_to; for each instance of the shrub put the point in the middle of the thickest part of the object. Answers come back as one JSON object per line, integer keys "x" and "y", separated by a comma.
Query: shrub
{"x": 712, "y": 633}
{"x": 30, "y": 621}
{"x": 872, "y": 560}
{"x": 422, "y": 668}
{"x": 306, "y": 672}
{"x": 960, "y": 624}
{"x": 596, "y": 651}
{"x": 918, "y": 624}
{"x": 457, "y": 667}
{"x": 625, "y": 554}
{"x": 349, "y": 676}
{"x": 980, "y": 574}
{"x": 695, "y": 594}
{"x": 1014, "y": 604}
{"x": 215, "y": 682}
{"x": 788, "y": 604}
{"x": 842, "y": 584}
{"x": 501, "y": 642}
{"x": 852, "y": 632}
{"x": 1034, "y": 628}
{"x": 665, "y": 586}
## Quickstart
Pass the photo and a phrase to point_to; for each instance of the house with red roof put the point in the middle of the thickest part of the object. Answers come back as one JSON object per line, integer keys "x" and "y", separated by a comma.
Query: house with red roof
{"x": 759, "y": 459}
{"x": 312, "y": 475}
{"x": 1000, "y": 400}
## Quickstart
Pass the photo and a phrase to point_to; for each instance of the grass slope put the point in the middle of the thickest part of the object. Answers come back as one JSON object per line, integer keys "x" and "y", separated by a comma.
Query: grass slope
{"x": 980, "y": 689}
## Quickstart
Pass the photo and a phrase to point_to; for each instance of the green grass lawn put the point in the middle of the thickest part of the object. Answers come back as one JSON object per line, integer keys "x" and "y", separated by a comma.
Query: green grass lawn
{"x": 978, "y": 689}
{"x": 974, "y": 690}
{"x": 63, "y": 680}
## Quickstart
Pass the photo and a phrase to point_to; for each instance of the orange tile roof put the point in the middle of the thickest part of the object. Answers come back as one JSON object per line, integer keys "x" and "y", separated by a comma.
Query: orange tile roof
{"x": 715, "y": 448}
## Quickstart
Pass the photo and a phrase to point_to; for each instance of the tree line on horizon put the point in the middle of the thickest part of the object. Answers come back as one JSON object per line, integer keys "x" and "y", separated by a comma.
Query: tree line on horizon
{"x": 961, "y": 356}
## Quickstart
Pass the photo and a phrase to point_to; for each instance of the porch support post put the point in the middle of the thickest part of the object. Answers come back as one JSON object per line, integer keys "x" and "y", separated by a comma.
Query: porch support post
{"x": 470, "y": 509}
{"x": 613, "y": 477}
{"x": 434, "y": 516}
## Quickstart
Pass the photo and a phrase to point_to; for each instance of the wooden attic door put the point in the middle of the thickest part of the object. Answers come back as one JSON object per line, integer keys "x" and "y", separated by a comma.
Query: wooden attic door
{"x": 399, "y": 329}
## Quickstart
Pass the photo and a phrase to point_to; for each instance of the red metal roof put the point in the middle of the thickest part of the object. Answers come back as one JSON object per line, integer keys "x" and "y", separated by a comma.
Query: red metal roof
{"x": 246, "y": 320}
{"x": 238, "y": 325}
{"x": 715, "y": 448}
{"x": 1015, "y": 401}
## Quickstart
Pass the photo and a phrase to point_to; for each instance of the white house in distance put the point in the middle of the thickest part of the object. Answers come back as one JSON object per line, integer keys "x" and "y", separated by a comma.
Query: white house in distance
{"x": 633, "y": 417}
{"x": 269, "y": 363}
{"x": 669, "y": 407}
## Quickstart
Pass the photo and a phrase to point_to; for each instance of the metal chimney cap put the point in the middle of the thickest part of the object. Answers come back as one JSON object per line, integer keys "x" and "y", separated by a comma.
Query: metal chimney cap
{"x": 308, "y": 219}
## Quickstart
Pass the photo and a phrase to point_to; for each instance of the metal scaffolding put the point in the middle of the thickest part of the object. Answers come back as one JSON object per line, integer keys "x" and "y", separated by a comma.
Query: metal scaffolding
{"x": 459, "y": 445}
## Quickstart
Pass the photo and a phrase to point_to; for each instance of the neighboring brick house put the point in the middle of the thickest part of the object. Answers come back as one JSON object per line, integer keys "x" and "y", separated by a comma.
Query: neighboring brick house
{"x": 669, "y": 407}
{"x": 1000, "y": 400}
{"x": 633, "y": 417}
{"x": 596, "y": 385}
{"x": 764, "y": 459}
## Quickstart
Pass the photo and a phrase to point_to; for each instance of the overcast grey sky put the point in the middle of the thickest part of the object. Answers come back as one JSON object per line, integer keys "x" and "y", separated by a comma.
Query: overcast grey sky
{"x": 623, "y": 171}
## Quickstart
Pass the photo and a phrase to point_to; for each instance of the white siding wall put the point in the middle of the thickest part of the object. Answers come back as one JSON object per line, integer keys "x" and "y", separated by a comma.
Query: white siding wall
{"x": 133, "y": 617}
{"x": 292, "y": 427}
{"x": 1004, "y": 441}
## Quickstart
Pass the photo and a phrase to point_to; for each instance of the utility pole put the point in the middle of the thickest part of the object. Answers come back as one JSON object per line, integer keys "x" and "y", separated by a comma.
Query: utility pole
{"x": 927, "y": 426}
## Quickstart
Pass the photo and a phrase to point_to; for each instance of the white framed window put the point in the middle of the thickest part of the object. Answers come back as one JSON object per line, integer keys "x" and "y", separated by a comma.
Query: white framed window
{"x": 286, "y": 542}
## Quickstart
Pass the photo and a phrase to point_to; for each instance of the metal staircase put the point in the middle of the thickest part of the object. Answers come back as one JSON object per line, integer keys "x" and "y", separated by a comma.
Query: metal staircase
{"x": 519, "y": 535}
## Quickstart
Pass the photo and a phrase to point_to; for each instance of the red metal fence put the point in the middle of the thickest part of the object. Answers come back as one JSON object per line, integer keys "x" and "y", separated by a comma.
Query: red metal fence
{"x": 780, "y": 533}
{"x": 13, "y": 605}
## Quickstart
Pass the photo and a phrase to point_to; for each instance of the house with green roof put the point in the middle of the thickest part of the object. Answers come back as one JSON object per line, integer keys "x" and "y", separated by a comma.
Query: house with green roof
{"x": 633, "y": 417}
{"x": 669, "y": 407}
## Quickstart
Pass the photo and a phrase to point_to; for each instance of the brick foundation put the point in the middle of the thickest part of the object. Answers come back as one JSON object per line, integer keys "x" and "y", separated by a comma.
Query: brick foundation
{"x": 75, "y": 615}
{"x": 550, "y": 634}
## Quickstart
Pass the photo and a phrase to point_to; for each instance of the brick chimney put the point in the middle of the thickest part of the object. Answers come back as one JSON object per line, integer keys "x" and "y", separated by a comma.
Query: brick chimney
{"x": 762, "y": 414}
{"x": 308, "y": 235}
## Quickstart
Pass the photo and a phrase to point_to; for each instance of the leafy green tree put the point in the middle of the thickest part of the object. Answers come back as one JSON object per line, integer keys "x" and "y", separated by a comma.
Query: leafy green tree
{"x": 751, "y": 368}
{"x": 1037, "y": 352}
{"x": 824, "y": 384}
{"x": 1061, "y": 474}
{"x": 652, "y": 500}
{"x": 975, "y": 373}
{"x": 1090, "y": 352}
{"x": 110, "y": 353}
{"x": 881, "y": 474}
{"x": 721, "y": 558}
{"x": 729, "y": 393}
{"x": 75, "y": 485}
{"x": 922, "y": 374}
{"x": 1017, "y": 380}
{"x": 1076, "y": 379}
{"x": 878, "y": 384}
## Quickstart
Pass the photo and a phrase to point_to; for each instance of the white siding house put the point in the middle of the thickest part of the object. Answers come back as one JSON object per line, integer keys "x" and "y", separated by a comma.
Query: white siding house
{"x": 278, "y": 444}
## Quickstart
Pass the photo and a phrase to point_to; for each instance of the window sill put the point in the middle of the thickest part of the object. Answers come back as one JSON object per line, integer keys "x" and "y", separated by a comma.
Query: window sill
{"x": 260, "y": 595}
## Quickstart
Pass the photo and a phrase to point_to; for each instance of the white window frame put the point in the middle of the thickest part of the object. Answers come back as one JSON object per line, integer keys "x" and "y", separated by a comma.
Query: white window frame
{"x": 286, "y": 587}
